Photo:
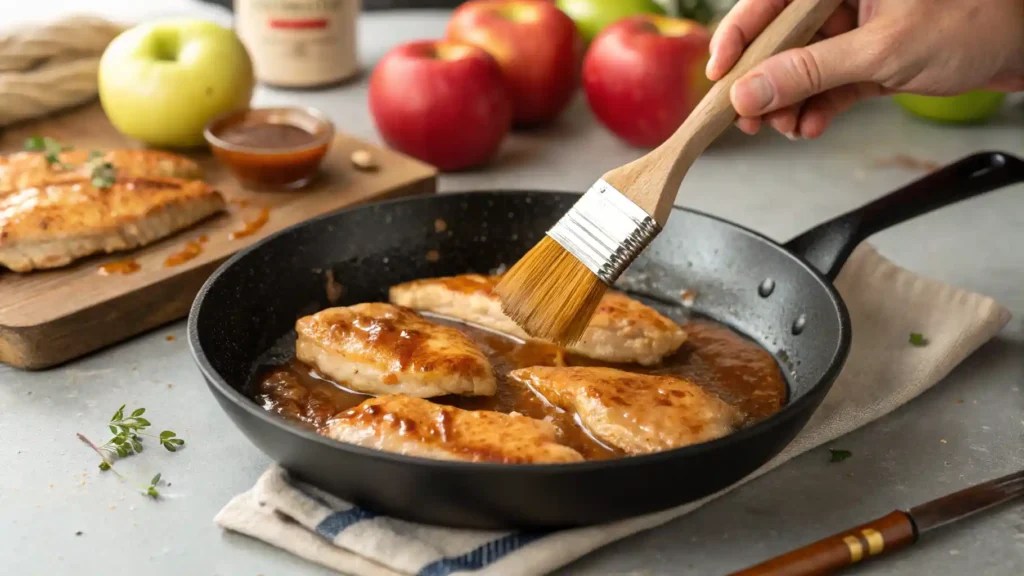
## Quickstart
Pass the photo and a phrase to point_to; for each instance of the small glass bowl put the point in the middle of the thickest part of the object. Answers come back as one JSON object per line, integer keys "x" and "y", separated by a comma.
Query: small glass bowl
{"x": 260, "y": 167}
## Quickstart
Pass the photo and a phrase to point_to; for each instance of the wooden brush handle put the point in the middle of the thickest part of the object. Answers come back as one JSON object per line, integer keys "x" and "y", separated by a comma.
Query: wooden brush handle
{"x": 653, "y": 180}
{"x": 888, "y": 533}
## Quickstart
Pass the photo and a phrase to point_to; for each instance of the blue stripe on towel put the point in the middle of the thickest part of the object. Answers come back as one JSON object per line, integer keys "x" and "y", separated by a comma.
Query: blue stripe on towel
{"x": 338, "y": 521}
{"x": 482, "y": 556}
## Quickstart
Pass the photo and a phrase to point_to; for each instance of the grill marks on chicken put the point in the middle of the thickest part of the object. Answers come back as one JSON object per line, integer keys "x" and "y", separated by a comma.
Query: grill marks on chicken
{"x": 378, "y": 348}
{"x": 637, "y": 413}
{"x": 417, "y": 427}
{"x": 622, "y": 329}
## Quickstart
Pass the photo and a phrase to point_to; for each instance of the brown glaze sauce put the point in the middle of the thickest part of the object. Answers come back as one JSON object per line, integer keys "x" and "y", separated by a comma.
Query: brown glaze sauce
{"x": 252, "y": 226}
{"x": 714, "y": 357}
{"x": 190, "y": 250}
{"x": 126, "y": 266}
{"x": 267, "y": 135}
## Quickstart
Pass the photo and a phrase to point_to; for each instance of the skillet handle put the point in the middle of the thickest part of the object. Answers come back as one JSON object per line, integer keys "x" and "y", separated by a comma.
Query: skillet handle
{"x": 827, "y": 246}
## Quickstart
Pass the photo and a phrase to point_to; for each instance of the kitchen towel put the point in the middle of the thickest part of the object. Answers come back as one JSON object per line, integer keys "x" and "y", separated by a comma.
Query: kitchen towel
{"x": 884, "y": 371}
{"x": 49, "y": 64}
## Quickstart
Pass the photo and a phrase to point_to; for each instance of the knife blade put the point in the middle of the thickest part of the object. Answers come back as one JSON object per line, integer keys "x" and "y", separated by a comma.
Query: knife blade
{"x": 966, "y": 502}
{"x": 890, "y": 532}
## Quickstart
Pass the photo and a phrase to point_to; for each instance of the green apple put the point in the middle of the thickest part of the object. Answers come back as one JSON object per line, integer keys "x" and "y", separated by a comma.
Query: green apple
{"x": 975, "y": 106}
{"x": 161, "y": 82}
{"x": 591, "y": 16}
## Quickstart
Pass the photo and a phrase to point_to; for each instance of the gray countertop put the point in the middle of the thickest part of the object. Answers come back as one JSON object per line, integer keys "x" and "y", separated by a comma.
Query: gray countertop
{"x": 61, "y": 516}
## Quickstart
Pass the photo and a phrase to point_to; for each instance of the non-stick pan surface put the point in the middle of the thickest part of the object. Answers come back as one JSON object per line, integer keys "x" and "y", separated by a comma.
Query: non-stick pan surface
{"x": 781, "y": 297}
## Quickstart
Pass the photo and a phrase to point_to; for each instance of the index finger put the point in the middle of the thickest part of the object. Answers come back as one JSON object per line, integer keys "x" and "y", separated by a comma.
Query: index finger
{"x": 748, "y": 18}
{"x": 738, "y": 29}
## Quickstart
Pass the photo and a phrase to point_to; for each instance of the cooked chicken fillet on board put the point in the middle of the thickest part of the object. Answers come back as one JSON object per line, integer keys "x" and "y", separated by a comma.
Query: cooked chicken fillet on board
{"x": 637, "y": 413}
{"x": 377, "y": 348}
{"x": 32, "y": 169}
{"x": 418, "y": 427}
{"x": 51, "y": 226}
{"x": 622, "y": 330}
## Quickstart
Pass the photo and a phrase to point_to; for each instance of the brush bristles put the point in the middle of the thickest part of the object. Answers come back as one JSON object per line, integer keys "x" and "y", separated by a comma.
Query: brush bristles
{"x": 550, "y": 294}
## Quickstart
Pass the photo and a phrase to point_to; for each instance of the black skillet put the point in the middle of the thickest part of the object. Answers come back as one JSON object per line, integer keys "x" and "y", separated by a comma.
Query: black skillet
{"x": 781, "y": 296}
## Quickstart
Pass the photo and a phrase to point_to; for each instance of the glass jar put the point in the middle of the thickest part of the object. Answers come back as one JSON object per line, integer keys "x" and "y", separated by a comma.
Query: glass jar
{"x": 300, "y": 43}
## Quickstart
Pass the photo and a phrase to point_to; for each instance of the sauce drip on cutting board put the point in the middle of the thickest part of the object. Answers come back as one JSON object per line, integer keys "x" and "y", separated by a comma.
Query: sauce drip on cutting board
{"x": 253, "y": 226}
{"x": 190, "y": 250}
{"x": 713, "y": 357}
{"x": 126, "y": 266}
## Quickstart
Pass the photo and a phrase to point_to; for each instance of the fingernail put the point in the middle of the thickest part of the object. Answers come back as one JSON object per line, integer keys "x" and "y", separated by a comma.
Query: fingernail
{"x": 793, "y": 135}
{"x": 710, "y": 66}
{"x": 753, "y": 95}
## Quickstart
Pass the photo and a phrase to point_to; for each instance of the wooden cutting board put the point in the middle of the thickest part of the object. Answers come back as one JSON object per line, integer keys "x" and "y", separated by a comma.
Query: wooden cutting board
{"x": 49, "y": 317}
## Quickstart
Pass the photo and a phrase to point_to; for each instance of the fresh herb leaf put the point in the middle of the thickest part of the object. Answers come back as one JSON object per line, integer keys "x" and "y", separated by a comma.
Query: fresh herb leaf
{"x": 127, "y": 440}
{"x": 95, "y": 154}
{"x": 838, "y": 455}
{"x": 103, "y": 175}
{"x": 918, "y": 339}
{"x": 169, "y": 442}
{"x": 49, "y": 146}
{"x": 35, "y": 144}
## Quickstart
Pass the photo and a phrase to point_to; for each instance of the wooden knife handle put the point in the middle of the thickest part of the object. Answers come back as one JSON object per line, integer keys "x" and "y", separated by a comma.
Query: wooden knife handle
{"x": 888, "y": 533}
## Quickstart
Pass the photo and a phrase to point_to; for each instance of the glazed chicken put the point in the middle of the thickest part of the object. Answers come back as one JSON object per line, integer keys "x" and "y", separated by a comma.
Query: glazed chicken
{"x": 622, "y": 330}
{"x": 32, "y": 169}
{"x": 418, "y": 427}
{"x": 51, "y": 226}
{"x": 377, "y": 348}
{"x": 637, "y": 413}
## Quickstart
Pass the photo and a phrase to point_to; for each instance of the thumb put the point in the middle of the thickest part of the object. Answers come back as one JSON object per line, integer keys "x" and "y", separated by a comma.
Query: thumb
{"x": 795, "y": 75}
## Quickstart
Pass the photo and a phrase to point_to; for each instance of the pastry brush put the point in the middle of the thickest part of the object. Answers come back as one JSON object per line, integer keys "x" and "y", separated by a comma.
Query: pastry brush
{"x": 554, "y": 289}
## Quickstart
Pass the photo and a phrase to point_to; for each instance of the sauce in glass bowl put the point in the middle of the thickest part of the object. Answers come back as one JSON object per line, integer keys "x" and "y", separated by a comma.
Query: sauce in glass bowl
{"x": 271, "y": 148}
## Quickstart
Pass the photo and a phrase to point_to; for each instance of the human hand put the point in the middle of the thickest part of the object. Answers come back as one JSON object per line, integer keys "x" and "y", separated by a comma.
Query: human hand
{"x": 869, "y": 48}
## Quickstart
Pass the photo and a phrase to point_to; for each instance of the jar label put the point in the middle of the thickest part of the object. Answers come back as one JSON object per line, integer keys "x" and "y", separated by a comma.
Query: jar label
{"x": 299, "y": 43}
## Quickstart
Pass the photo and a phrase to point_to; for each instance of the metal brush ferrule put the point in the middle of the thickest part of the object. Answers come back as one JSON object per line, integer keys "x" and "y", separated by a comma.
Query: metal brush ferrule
{"x": 605, "y": 231}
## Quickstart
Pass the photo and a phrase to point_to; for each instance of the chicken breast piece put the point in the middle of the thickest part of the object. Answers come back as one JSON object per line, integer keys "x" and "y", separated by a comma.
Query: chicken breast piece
{"x": 622, "y": 330}
{"x": 377, "y": 348}
{"x": 31, "y": 169}
{"x": 51, "y": 226}
{"x": 418, "y": 427}
{"x": 637, "y": 413}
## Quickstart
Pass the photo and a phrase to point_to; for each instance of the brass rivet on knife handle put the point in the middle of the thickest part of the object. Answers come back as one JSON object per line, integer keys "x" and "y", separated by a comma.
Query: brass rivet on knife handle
{"x": 665, "y": 167}
{"x": 890, "y": 532}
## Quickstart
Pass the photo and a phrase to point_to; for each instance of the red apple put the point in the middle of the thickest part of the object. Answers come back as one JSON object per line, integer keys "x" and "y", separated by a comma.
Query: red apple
{"x": 644, "y": 75}
{"x": 537, "y": 45}
{"x": 442, "y": 102}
